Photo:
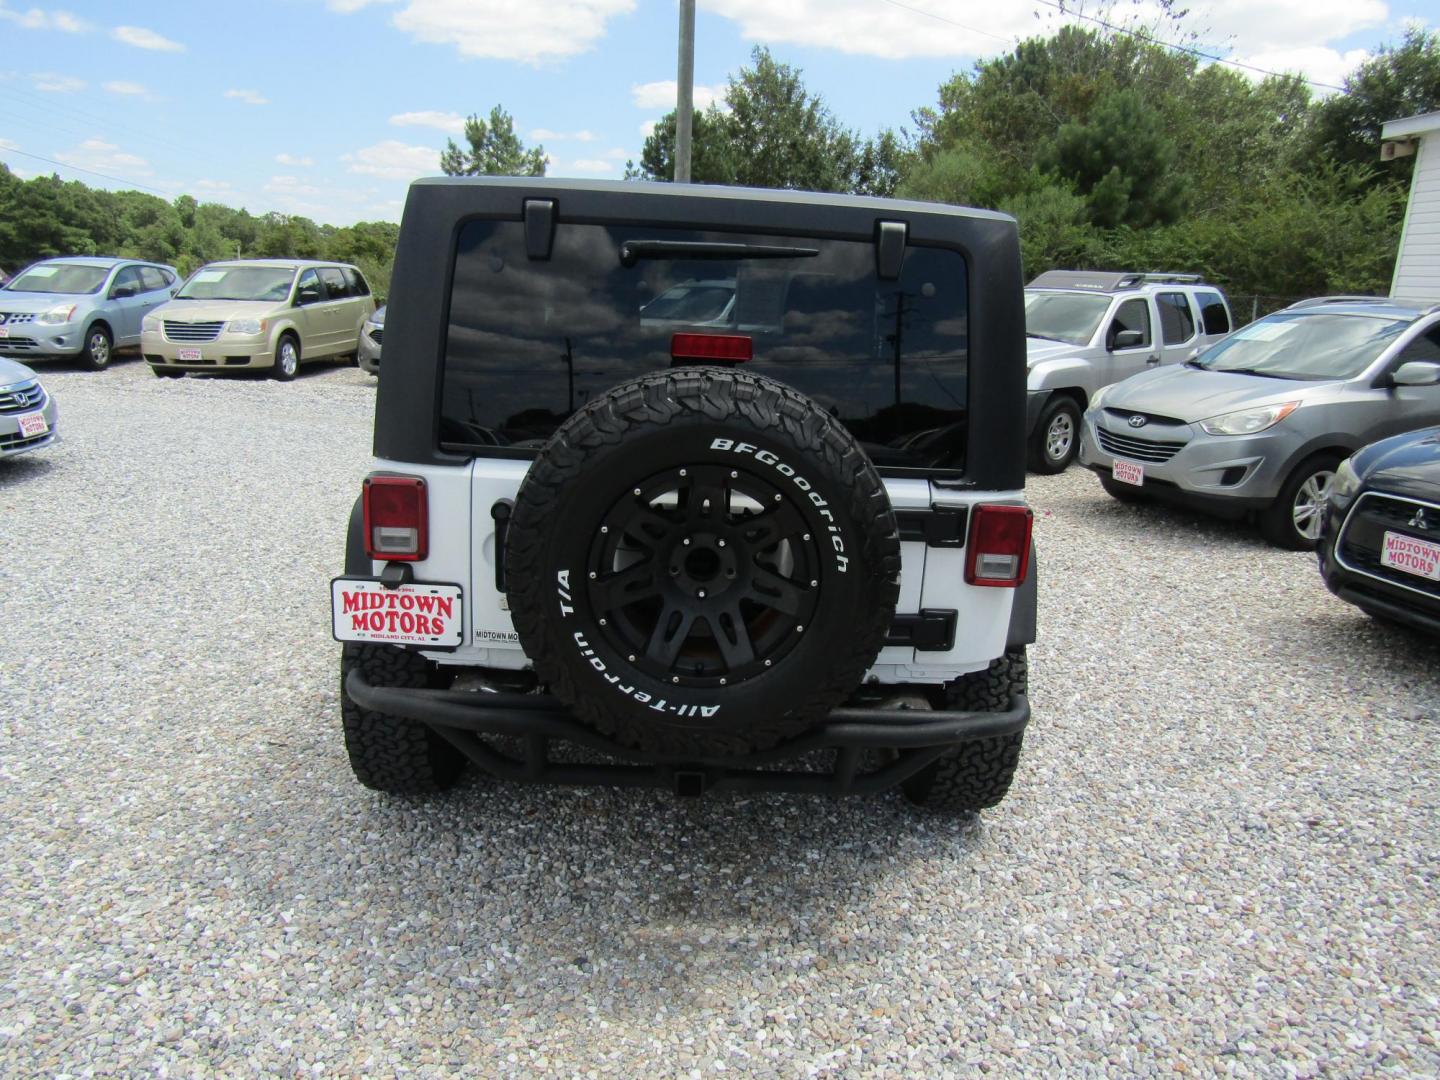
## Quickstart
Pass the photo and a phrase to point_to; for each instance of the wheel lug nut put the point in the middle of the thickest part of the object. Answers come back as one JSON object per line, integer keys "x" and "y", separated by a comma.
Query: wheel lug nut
{"x": 805, "y": 537}
{"x": 722, "y": 682}
{"x": 682, "y": 472}
{"x": 592, "y": 575}
{"x": 798, "y": 629}
{"x": 604, "y": 528}
{"x": 700, "y": 593}
{"x": 674, "y": 571}
{"x": 734, "y": 475}
{"x": 686, "y": 541}
{"x": 631, "y": 658}
{"x": 767, "y": 663}
{"x": 674, "y": 678}
{"x": 814, "y": 584}
{"x": 637, "y": 491}
{"x": 602, "y": 622}
{"x": 720, "y": 543}
{"x": 777, "y": 498}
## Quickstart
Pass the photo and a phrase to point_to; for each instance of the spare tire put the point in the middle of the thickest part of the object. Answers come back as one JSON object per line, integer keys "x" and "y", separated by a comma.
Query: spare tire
{"x": 702, "y": 563}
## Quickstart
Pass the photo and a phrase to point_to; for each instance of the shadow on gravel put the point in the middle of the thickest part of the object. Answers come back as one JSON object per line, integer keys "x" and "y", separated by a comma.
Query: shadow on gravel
{"x": 544, "y": 899}
{"x": 24, "y": 468}
{"x": 1126, "y": 519}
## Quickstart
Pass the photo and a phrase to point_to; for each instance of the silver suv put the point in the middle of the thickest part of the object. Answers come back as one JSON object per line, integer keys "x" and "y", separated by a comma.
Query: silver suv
{"x": 1086, "y": 329}
{"x": 1259, "y": 423}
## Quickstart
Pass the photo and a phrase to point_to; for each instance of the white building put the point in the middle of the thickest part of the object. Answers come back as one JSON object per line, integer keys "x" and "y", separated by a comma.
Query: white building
{"x": 1417, "y": 270}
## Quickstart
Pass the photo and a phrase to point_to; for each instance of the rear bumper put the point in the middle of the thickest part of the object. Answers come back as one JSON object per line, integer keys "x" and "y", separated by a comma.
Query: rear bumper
{"x": 465, "y": 718}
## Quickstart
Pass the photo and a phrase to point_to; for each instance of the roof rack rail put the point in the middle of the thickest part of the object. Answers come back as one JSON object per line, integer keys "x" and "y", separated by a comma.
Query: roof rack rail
{"x": 1317, "y": 301}
{"x": 1172, "y": 279}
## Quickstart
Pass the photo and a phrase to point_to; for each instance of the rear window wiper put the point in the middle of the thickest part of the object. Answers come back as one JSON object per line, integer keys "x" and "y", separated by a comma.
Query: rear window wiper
{"x": 632, "y": 251}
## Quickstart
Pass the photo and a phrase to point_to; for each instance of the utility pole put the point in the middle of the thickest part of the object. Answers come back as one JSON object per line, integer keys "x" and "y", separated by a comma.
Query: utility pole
{"x": 685, "y": 92}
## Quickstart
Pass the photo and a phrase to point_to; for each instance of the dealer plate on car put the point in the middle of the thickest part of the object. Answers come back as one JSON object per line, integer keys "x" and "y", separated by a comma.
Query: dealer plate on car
{"x": 1411, "y": 554}
{"x": 32, "y": 424}
{"x": 189, "y": 354}
{"x": 1127, "y": 472}
{"x": 362, "y": 609}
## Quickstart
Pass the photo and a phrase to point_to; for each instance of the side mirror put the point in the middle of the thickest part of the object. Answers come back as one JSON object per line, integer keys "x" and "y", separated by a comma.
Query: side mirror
{"x": 1127, "y": 339}
{"x": 1416, "y": 373}
{"x": 120, "y": 292}
{"x": 307, "y": 296}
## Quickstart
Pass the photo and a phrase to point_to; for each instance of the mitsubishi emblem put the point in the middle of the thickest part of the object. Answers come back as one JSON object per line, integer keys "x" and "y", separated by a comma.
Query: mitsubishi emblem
{"x": 1137, "y": 420}
{"x": 1418, "y": 521}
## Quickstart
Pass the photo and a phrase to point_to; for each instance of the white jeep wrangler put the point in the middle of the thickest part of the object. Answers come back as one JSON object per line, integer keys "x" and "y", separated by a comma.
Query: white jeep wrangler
{"x": 698, "y": 552}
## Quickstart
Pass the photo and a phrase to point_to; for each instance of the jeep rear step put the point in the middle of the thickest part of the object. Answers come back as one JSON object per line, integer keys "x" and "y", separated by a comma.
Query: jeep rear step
{"x": 462, "y": 717}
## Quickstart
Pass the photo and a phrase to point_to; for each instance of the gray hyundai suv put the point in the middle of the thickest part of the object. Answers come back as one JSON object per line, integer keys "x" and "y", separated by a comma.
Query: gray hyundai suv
{"x": 1258, "y": 423}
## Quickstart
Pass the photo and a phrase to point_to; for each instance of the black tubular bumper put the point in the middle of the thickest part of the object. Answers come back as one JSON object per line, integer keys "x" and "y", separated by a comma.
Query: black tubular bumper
{"x": 464, "y": 717}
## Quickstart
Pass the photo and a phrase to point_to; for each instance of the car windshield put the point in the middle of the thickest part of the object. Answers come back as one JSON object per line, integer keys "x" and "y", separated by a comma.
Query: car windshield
{"x": 699, "y": 302}
{"x": 1307, "y": 345}
{"x": 238, "y": 283}
{"x": 73, "y": 278}
{"x": 1064, "y": 316}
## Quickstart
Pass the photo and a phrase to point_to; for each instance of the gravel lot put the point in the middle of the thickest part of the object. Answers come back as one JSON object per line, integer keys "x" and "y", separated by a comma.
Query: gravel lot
{"x": 1220, "y": 853}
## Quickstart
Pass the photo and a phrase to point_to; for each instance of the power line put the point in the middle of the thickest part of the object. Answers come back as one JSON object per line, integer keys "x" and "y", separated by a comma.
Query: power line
{"x": 951, "y": 22}
{"x": 90, "y": 172}
{"x": 1143, "y": 36}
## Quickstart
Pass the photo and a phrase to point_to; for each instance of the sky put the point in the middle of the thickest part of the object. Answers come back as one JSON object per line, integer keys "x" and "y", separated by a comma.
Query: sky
{"x": 329, "y": 108}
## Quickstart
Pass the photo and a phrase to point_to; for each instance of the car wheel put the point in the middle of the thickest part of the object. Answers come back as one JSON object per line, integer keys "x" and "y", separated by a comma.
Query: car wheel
{"x": 390, "y": 753}
{"x": 287, "y": 358}
{"x": 1126, "y": 493}
{"x": 727, "y": 571}
{"x": 975, "y": 775}
{"x": 1057, "y": 436}
{"x": 1293, "y": 520}
{"x": 99, "y": 348}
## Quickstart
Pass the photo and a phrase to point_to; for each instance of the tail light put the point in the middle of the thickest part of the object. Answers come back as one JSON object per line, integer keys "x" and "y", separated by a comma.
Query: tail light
{"x": 999, "y": 547}
{"x": 396, "y": 518}
{"x": 738, "y": 347}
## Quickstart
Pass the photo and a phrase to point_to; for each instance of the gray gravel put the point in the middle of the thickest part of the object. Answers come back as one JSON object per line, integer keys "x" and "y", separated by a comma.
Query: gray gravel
{"x": 1219, "y": 856}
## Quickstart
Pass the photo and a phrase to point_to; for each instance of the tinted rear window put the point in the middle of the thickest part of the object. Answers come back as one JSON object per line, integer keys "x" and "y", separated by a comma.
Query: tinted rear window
{"x": 531, "y": 341}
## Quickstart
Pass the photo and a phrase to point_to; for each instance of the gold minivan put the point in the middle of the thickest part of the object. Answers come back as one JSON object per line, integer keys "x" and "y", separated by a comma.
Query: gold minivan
{"x": 258, "y": 313}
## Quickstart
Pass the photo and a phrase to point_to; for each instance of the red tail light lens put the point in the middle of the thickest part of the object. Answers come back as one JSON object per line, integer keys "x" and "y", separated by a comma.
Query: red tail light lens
{"x": 999, "y": 547}
{"x": 736, "y": 347}
{"x": 396, "y": 518}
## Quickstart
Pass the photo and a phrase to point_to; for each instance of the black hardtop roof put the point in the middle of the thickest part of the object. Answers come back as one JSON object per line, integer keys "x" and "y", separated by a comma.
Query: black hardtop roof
{"x": 697, "y": 194}
{"x": 1110, "y": 280}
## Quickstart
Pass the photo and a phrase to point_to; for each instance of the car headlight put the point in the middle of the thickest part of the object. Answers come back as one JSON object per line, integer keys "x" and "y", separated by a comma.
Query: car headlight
{"x": 1248, "y": 421}
{"x": 245, "y": 326}
{"x": 1099, "y": 396}
{"x": 1346, "y": 482}
{"x": 57, "y": 315}
{"x": 150, "y": 324}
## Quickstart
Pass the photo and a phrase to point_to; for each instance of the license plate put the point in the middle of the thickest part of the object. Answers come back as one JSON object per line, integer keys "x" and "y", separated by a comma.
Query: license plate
{"x": 32, "y": 424}
{"x": 1127, "y": 472}
{"x": 189, "y": 354}
{"x": 1412, "y": 555}
{"x": 418, "y": 614}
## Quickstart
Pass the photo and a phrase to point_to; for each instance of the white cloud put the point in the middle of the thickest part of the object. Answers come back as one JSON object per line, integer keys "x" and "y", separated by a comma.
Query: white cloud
{"x": 1280, "y": 26}
{"x": 432, "y": 118}
{"x": 35, "y": 19}
{"x": 504, "y": 29}
{"x": 128, "y": 88}
{"x": 101, "y": 156}
{"x": 546, "y": 135}
{"x": 589, "y": 165}
{"x": 661, "y": 95}
{"x": 216, "y": 186}
{"x": 391, "y": 159}
{"x": 616, "y": 154}
{"x": 1317, "y": 63}
{"x": 648, "y": 127}
{"x": 6, "y": 144}
{"x": 295, "y": 162}
{"x": 249, "y": 97}
{"x": 57, "y": 84}
{"x": 290, "y": 185}
{"x": 142, "y": 38}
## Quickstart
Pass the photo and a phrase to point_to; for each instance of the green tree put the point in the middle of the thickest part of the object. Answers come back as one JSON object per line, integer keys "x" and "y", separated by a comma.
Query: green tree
{"x": 494, "y": 150}
{"x": 1398, "y": 81}
{"x": 771, "y": 132}
{"x": 1122, "y": 160}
